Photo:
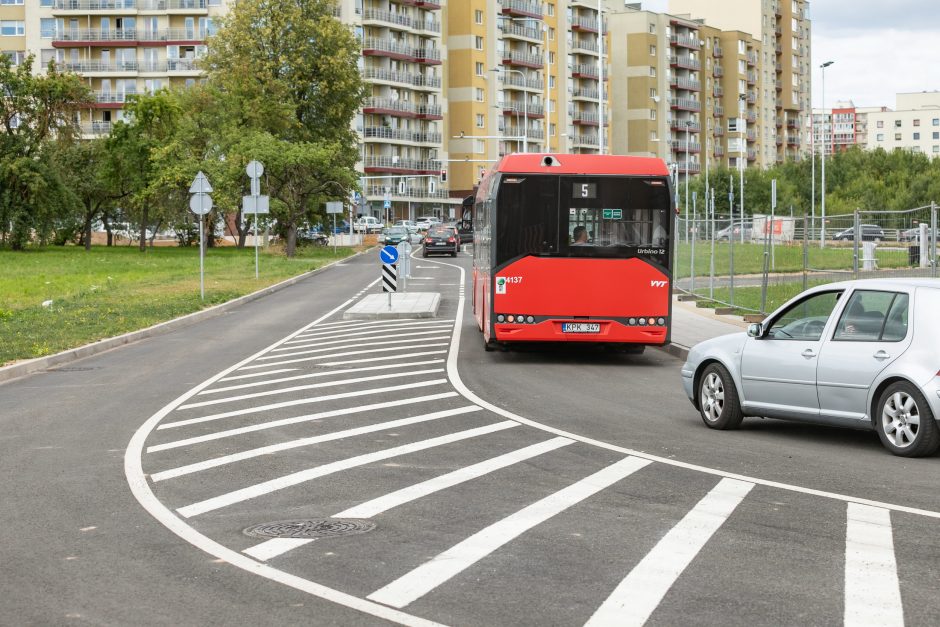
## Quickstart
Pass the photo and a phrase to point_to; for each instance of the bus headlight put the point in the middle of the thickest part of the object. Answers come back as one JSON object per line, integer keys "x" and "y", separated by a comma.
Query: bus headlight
{"x": 500, "y": 318}
{"x": 530, "y": 319}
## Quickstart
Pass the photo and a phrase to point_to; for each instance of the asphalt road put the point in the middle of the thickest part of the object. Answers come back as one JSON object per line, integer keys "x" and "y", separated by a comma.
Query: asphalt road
{"x": 530, "y": 487}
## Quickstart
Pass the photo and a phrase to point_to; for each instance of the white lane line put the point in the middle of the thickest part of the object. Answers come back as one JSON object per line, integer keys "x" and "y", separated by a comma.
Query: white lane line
{"x": 411, "y": 493}
{"x": 872, "y": 589}
{"x": 379, "y": 335}
{"x": 274, "y": 547}
{"x": 372, "y": 328}
{"x": 273, "y": 424}
{"x": 415, "y": 338}
{"x": 302, "y": 401}
{"x": 215, "y": 462}
{"x": 313, "y": 386}
{"x": 634, "y": 600}
{"x": 257, "y": 374}
{"x": 330, "y": 373}
{"x": 423, "y": 278}
{"x": 454, "y": 375}
{"x": 461, "y": 556}
{"x": 372, "y": 359}
{"x": 303, "y": 476}
{"x": 344, "y": 354}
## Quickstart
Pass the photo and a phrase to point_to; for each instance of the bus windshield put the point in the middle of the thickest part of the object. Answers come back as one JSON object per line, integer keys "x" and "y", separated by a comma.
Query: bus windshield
{"x": 583, "y": 216}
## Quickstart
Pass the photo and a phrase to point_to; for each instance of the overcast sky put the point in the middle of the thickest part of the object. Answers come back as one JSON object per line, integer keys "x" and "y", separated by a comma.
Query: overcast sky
{"x": 879, "y": 48}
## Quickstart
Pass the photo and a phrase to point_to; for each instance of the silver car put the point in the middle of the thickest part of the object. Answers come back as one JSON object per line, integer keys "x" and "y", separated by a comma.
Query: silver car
{"x": 859, "y": 354}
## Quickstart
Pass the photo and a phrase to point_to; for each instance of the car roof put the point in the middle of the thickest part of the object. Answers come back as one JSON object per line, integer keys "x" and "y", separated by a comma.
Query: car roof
{"x": 886, "y": 283}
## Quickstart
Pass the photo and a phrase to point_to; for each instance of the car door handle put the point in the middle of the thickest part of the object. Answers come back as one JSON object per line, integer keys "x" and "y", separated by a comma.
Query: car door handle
{"x": 809, "y": 353}
{"x": 881, "y": 355}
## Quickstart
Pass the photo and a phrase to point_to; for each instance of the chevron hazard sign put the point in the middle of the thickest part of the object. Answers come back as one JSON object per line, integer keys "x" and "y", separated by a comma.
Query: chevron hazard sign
{"x": 389, "y": 277}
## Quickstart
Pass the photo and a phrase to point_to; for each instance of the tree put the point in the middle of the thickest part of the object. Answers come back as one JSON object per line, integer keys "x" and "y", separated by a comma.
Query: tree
{"x": 36, "y": 112}
{"x": 298, "y": 176}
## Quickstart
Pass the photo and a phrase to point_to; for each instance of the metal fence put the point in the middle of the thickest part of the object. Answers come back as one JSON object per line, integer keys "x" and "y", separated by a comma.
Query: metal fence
{"x": 757, "y": 263}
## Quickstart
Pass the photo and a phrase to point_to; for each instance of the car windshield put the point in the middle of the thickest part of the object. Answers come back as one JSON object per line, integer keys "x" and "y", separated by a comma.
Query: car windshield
{"x": 440, "y": 232}
{"x": 396, "y": 231}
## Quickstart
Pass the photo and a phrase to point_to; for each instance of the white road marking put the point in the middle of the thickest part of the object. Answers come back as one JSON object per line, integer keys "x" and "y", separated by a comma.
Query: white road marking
{"x": 274, "y": 547}
{"x": 273, "y": 424}
{"x": 383, "y": 335}
{"x": 315, "y": 375}
{"x": 313, "y": 386}
{"x": 416, "y": 338}
{"x": 267, "y": 487}
{"x": 302, "y": 401}
{"x": 634, "y": 600}
{"x": 215, "y": 462}
{"x": 373, "y": 327}
{"x": 419, "y": 490}
{"x": 422, "y": 278}
{"x": 372, "y": 359}
{"x": 458, "y": 558}
{"x": 344, "y": 354}
{"x": 258, "y": 374}
{"x": 872, "y": 590}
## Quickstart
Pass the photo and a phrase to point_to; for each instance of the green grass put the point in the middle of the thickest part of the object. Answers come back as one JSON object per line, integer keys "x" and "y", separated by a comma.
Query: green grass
{"x": 109, "y": 291}
{"x": 748, "y": 299}
{"x": 749, "y": 259}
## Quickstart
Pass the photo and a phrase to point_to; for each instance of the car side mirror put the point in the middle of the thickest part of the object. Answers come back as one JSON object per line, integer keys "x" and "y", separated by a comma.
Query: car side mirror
{"x": 755, "y": 330}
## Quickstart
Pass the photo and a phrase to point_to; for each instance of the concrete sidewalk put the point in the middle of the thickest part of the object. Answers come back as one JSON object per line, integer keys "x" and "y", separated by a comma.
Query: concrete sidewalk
{"x": 691, "y": 325}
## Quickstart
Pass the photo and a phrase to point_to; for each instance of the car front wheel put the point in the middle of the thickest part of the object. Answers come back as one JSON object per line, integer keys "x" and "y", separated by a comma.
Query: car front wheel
{"x": 718, "y": 399}
{"x": 905, "y": 423}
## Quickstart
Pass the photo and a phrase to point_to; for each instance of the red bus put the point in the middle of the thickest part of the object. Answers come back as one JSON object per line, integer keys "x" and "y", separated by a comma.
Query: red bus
{"x": 574, "y": 248}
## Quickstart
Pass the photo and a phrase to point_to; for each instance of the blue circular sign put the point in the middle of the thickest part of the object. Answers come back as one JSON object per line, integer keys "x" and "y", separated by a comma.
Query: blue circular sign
{"x": 388, "y": 254}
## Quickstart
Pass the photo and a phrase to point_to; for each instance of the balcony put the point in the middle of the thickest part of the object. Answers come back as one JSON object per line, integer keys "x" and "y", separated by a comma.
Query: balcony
{"x": 752, "y": 155}
{"x": 680, "y": 125}
{"x": 718, "y": 71}
{"x": 779, "y": 85}
{"x": 398, "y": 165}
{"x": 518, "y": 31}
{"x": 512, "y": 81}
{"x": 530, "y": 110}
{"x": 426, "y": 111}
{"x": 751, "y": 136}
{"x": 112, "y": 100}
{"x": 719, "y": 151}
{"x": 586, "y": 119}
{"x": 98, "y": 67}
{"x": 393, "y": 134}
{"x": 94, "y": 37}
{"x": 96, "y": 128}
{"x": 518, "y": 131}
{"x": 751, "y": 117}
{"x": 718, "y": 111}
{"x": 685, "y": 41}
{"x": 399, "y": 20}
{"x": 779, "y": 140}
{"x": 172, "y": 5}
{"x": 92, "y": 6}
{"x": 751, "y": 97}
{"x": 718, "y": 91}
{"x": 752, "y": 78}
{"x": 793, "y": 140}
{"x": 681, "y": 146}
{"x": 719, "y": 131}
{"x": 181, "y": 65}
{"x": 428, "y": 56}
{"x": 389, "y": 106}
{"x": 779, "y": 122}
{"x": 792, "y": 123}
{"x": 584, "y": 25}
{"x": 173, "y": 35}
{"x": 378, "y": 191}
{"x": 717, "y": 52}
{"x": 521, "y": 8}
{"x": 417, "y": 81}
{"x": 583, "y": 70}
{"x": 585, "y": 93}
{"x": 584, "y": 140}
{"x": 685, "y": 62}
{"x": 522, "y": 59}
{"x": 583, "y": 45}
{"x": 751, "y": 58}
{"x": 430, "y": 5}
{"x": 685, "y": 83}
{"x": 375, "y": 46}
{"x": 685, "y": 104}
{"x": 689, "y": 168}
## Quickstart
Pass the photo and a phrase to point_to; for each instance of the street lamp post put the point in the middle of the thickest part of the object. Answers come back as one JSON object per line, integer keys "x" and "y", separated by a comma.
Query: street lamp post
{"x": 822, "y": 233}
{"x": 688, "y": 123}
{"x": 600, "y": 68}
{"x": 742, "y": 123}
{"x": 525, "y": 109}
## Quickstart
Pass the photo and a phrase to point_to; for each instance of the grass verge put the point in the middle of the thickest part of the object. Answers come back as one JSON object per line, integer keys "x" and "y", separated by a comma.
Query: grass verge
{"x": 110, "y": 291}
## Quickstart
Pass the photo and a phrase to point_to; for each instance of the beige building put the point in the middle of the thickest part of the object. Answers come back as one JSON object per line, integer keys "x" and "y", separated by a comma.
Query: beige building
{"x": 13, "y": 30}
{"x": 914, "y": 126}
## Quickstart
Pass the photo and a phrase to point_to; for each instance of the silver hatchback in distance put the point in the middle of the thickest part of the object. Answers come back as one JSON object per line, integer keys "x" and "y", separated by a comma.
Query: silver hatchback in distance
{"x": 859, "y": 354}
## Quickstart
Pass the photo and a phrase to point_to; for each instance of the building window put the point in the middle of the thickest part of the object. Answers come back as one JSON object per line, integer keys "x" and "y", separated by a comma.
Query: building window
{"x": 479, "y": 146}
{"x": 479, "y": 94}
{"x": 652, "y": 50}
{"x": 897, "y": 124}
{"x": 880, "y": 124}
{"x": 478, "y": 42}
{"x": 936, "y": 135}
{"x": 45, "y": 3}
{"x": 16, "y": 56}
{"x": 916, "y": 136}
{"x": 479, "y": 69}
{"x": 652, "y": 92}
{"x": 17, "y": 2}
{"x": 552, "y": 127}
{"x": 897, "y": 137}
{"x": 652, "y": 71}
{"x": 936, "y": 122}
{"x": 652, "y": 28}
{"x": 478, "y": 16}
{"x": 915, "y": 148}
{"x": 652, "y": 114}
{"x": 47, "y": 27}
{"x": 12, "y": 28}
{"x": 936, "y": 149}
{"x": 551, "y": 9}
{"x": 551, "y": 58}
{"x": 480, "y": 121}
{"x": 551, "y": 81}
{"x": 880, "y": 137}
{"x": 916, "y": 122}
{"x": 742, "y": 46}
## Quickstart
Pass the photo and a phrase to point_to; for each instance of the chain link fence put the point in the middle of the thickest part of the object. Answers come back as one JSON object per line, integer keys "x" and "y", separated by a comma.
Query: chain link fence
{"x": 756, "y": 264}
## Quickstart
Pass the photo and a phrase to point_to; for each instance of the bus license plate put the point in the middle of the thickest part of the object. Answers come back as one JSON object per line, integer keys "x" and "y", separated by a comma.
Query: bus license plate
{"x": 580, "y": 327}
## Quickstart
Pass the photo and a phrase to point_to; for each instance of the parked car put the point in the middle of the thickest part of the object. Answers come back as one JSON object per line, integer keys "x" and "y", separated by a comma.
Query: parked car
{"x": 912, "y": 235}
{"x": 441, "y": 240}
{"x": 394, "y": 235}
{"x": 859, "y": 354}
{"x": 426, "y": 222}
{"x": 367, "y": 224}
{"x": 870, "y": 233}
{"x": 735, "y": 228}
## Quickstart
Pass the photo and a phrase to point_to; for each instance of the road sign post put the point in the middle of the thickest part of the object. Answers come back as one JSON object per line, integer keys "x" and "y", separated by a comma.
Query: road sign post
{"x": 333, "y": 207}
{"x": 255, "y": 203}
{"x": 389, "y": 258}
{"x": 200, "y": 203}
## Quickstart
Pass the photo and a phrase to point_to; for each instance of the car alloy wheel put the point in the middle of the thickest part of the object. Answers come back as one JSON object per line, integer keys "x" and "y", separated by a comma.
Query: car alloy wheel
{"x": 718, "y": 398}
{"x": 713, "y": 397}
{"x": 905, "y": 424}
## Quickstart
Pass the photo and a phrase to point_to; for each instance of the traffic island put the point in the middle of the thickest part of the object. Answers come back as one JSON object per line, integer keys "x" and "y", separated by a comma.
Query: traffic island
{"x": 395, "y": 305}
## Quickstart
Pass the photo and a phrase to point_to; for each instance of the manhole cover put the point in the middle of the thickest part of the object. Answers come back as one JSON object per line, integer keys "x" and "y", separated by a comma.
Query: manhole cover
{"x": 322, "y": 528}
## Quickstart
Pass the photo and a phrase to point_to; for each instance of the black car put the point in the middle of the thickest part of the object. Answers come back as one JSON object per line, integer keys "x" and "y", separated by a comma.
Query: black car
{"x": 441, "y": 240}
{"x": 870, "y": 233}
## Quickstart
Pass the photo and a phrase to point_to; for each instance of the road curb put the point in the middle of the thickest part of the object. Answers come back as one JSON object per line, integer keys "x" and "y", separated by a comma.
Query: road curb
{"x": 675, "y": 350}
{"x": 31, "y": 366}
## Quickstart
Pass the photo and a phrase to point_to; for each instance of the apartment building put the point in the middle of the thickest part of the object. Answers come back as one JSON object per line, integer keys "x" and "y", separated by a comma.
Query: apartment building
{"x": 13, "y": 30}
{"x": 914, "y": 126}
{"x": 782, "y": 72}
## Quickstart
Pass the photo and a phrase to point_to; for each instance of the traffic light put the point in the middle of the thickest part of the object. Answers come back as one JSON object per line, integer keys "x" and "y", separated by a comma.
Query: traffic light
{"x": 443, "y": 176}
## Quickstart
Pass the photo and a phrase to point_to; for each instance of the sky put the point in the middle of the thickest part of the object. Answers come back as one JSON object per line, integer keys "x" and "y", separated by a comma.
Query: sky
{"x": 878, "y": 48}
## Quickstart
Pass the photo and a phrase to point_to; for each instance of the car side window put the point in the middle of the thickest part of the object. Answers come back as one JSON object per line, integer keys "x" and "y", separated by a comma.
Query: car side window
{"x": 806, "y": 319}
{"x": 872, "y": 316}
